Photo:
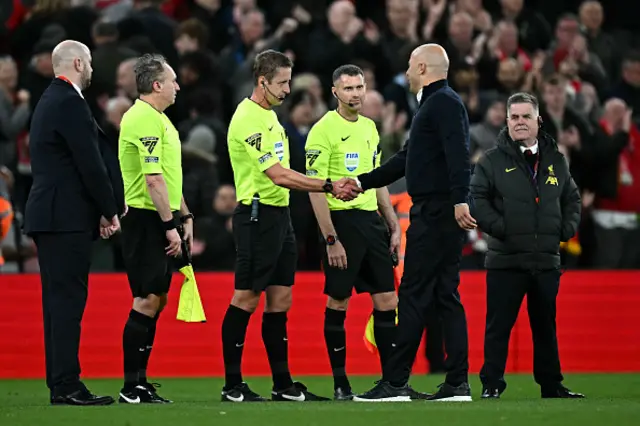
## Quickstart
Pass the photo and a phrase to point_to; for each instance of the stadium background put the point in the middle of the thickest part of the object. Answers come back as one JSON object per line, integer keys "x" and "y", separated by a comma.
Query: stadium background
{"x": 558, "y": 50}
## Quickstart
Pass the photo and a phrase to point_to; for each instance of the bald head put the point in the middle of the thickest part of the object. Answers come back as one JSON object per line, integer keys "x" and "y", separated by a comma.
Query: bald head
{"x": 434, "y": 56}
{"x": 65, "y": 54}
{"x": 614, "y": 113}
{"x": 72, "y": 59}
{"x": 428, "y": 63}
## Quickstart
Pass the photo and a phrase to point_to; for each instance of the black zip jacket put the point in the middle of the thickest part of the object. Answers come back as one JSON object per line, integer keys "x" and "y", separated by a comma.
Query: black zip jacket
{"x": 524, "y": 234}
{"x": 435, "y": 158}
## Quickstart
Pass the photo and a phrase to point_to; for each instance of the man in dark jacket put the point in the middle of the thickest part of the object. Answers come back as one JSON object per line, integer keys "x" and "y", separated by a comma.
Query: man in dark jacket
{"x": 77, "y": 194}
{"x": 527, "y": 201}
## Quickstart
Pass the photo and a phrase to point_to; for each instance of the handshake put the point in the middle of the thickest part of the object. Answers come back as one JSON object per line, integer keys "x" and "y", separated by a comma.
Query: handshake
{"x": 346, "y": 189}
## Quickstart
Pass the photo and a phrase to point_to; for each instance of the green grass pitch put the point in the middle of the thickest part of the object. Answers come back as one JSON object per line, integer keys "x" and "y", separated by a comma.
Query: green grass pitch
{"x": 612, "y": 400}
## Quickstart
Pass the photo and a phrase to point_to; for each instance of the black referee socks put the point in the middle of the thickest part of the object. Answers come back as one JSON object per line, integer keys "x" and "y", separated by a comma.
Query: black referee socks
{"x": 134, "y": 337}
{"x": 144, "y": 356}
{"x": 274, "y": 336}
{"x": 234, "y": 331}
{"x": 336, "y": 339}
{"x": 384, "y": 331}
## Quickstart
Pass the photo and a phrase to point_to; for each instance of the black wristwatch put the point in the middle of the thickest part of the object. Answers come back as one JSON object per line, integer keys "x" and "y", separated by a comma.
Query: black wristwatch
{"x": 328, "y": 185}
{"x": 331, "y": 240}
{"x": 186, "y": 217}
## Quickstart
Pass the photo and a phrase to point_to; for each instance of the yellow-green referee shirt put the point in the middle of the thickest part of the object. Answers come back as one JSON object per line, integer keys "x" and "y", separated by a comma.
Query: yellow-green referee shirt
{"x": 256, "y": 142}
{"x": 338, "y": 148}
{"x": 149, "y": 144}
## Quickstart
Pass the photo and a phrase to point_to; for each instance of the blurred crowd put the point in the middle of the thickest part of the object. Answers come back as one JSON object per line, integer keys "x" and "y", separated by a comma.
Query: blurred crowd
{"x": 582, "y": 59}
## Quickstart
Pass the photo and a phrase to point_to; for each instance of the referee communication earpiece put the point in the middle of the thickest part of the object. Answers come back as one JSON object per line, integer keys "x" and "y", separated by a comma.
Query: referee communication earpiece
{"x": 280, "y": 98}
{"x": 351, "y": 104}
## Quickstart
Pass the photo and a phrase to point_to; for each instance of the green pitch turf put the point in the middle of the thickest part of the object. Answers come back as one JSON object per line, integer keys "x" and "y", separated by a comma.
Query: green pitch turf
{"x": 612, "y": 400}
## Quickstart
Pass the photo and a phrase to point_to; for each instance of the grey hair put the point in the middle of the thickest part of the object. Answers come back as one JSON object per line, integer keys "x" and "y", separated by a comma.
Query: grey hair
{"x": 523, "y": 98}
{"x": 148, "y": 69}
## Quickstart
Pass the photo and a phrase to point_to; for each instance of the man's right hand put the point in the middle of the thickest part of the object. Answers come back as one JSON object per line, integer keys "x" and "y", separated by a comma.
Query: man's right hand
{"x": 337, "y": 256}
{"x": 173, "y": 249}
{"x": 346, "y": 189}
{"x": 109, "y": 227}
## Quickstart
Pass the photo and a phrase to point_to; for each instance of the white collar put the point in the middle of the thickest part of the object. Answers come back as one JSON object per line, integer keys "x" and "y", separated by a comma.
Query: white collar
{"x": 419, "y": 95}
{"x": 75, "y": 86}
{"x": 533, "y": 148}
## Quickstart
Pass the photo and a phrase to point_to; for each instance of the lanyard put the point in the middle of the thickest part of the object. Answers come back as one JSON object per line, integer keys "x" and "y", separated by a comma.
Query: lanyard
{"x": 63, "y": 78}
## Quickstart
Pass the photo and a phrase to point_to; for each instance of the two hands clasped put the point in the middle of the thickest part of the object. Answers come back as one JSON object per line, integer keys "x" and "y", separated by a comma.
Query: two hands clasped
{"x": 109, "y": 227}
{"x": 346, "y": 189}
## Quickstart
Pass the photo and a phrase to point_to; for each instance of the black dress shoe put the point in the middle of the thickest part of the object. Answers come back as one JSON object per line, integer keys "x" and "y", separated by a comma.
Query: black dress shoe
{"x": 81, "y": 397}
{"x": 560, "y": 392}
{"x": 489, "y": 393}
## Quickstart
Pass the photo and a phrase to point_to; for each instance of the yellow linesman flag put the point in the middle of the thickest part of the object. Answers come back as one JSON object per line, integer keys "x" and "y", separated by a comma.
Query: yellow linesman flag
{"x": 189, "y": 305}
{"x": 369, "y": 336}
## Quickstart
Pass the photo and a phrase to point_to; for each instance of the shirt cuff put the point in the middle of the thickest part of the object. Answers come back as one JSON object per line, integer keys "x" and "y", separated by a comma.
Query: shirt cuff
{"x": 362, "y": 181}
{"x": 459, "y": 196}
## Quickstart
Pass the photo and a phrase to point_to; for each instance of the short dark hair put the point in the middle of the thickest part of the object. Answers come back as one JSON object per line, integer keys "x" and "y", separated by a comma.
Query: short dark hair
{"x": 148, "y": 69}
{"x": 267, "y": 64}
{"x": 349, "y": 69}
{"x": 194, "y": 28}
{"x": 523, "y": 98}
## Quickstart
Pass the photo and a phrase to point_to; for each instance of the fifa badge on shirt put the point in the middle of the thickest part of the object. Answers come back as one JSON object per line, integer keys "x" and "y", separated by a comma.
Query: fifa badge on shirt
{"x": 351, "y": 161}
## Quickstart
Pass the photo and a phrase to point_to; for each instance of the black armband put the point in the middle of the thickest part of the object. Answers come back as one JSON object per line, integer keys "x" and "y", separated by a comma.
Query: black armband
{"x": 169, "y": 225}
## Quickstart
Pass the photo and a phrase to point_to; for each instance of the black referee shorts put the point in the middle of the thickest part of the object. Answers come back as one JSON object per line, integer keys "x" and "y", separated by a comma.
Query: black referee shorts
{"x": 148, "y": 267}
{"x": 266, "y": 252}
{"x": 365, "y": 239}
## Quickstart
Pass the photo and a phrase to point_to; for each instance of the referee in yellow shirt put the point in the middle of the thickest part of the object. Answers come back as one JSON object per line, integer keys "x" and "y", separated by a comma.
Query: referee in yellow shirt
{"x": 359, "y": 244}
{"x": 151, "y": 164}
{"x": 265, "y": 243}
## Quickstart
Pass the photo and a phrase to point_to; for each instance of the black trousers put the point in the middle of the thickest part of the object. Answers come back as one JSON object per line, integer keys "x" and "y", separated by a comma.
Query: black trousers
{"x": 505, "y": 291}
{"x": 65, "y": 260}
{"x": 434, "y": 343}
{"x": 430, "y": 281}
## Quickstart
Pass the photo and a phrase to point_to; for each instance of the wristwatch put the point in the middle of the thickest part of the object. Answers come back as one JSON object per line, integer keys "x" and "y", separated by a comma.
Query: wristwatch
{"x": 331, "y": 240}
{"x": 328, "y": 185}
{"x": 186, "y": 217}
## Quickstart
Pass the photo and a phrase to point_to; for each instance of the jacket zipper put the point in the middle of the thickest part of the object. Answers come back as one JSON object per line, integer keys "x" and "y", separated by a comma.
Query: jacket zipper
{"x": 536, "y": 193}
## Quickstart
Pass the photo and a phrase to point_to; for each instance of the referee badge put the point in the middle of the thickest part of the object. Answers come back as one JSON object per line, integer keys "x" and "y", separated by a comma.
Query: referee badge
{"x": 279, "y": 147}
{"x": 351, "y": 161}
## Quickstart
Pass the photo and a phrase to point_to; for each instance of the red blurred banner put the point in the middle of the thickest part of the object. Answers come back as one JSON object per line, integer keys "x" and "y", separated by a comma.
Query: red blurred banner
{"x": 597, "y": 328}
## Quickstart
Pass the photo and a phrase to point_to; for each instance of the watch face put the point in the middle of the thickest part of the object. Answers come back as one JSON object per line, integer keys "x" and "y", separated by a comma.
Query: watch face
{"x": 331, "y": 239}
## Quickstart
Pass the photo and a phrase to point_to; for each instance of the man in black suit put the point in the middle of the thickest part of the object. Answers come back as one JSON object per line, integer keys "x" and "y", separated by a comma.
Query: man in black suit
{"x": 77, "y": 193}
{"x": 435, "y": 162}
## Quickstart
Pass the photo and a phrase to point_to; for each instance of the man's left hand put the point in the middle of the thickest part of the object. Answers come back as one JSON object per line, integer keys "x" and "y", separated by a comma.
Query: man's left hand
{"x": 188, "y": 234}
{"x": 394, "y": 243}
{"x": 464, "y": 218}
